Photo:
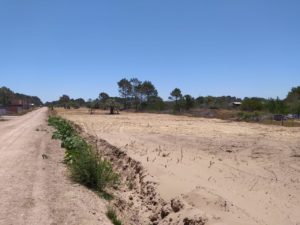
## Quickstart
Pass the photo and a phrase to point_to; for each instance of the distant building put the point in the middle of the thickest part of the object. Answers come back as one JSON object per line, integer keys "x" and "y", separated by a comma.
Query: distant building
{"x": 2, "y": 110}
{"x": 236, "y": 104}
{"x": 16, "y": 106}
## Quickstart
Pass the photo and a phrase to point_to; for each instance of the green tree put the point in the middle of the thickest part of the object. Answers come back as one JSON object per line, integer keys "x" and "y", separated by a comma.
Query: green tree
{"x": 277, "y": 106}
{"x": 136, "y": 92}
{"x": 142, "y": 93}
{"x": 189, "y": 102}
{"x": 80, "y": 102}
{"x": 64, "y": 101}
{"x": 252, "y": 104}
{"x": 103, "y": 97}
{"x": 154, "y": 103}
{"x": 125, "y": 90}
{"x": 210, "y": 101}
{"x": 176, "y": 95}
{"x": 90, "y": 105}
{"x": 113, "y": 105}
{"x": 293, "y": 100}
{"x": 148, "y": 90}
{"x": 293, "y": 95}
{"x": 6, "y": 96}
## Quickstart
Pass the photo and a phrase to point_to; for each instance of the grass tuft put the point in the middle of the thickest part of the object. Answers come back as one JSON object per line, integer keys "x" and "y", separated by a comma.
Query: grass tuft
{"x": 112, "y": 215}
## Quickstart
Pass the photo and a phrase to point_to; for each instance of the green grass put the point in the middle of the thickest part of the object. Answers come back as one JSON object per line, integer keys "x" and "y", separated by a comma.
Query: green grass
{"x": 111, "y": 214}
{"x": 85, "y": 164}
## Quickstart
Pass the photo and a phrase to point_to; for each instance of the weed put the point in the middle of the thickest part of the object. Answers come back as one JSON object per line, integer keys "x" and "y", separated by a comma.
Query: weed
{"x": 130, "y": 185}
{"x": 87, "y": 169}
{"x": 106, "y": 196}
{"x": 85, "y": 165}
{"x": 111, "y": 214}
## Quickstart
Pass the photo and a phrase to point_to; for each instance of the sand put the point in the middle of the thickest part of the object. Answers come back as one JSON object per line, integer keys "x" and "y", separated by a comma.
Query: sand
{"x": 234, "y": 173}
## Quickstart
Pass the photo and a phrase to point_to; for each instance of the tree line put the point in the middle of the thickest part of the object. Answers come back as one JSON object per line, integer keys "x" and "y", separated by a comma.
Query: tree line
{"x": 138, "y": 95}
{"x": 7, "y": 97}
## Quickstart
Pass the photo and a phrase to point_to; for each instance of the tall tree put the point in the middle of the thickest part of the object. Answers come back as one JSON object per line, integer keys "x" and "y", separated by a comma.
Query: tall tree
{"x": 125, "y": 90}
{"x": 176, "y": 95}
{"x": 113, "y": 105}
{"x": 293, "y": 95}
{"x": 80, "y": 102}
{"x": 148, "y": 90}
{"x": 277, "y": 106}
{"x": 6, "y": 96}
{"x": 252, "y": 104}
{"x": 103, "y": 97}
{"x": 293, "y": 100}
{"x": 189, "y": 102}
{"x": 136, "y": 92}
{"x": 64, "y": 100}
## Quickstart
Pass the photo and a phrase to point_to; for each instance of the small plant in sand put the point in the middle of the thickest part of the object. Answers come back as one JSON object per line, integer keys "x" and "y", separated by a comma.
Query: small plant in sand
{"x": 112, "y": 215}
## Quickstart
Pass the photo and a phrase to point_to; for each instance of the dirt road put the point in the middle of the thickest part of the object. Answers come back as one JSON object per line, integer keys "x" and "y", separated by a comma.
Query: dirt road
{"x": 36, "y": 190}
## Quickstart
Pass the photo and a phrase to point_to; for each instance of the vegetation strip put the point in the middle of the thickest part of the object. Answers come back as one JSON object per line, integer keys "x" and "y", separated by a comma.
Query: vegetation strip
{"x": 85, "y": 164}
{"x": 142, "y": 96}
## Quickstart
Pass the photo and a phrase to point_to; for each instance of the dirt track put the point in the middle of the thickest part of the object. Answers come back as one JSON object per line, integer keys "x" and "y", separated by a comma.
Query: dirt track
{"x": 232, "y": 173}
{"x": 36, "y": 190}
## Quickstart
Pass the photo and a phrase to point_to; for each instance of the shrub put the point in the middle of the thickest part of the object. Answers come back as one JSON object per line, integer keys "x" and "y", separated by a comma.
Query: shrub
{"x": 86, "y": 166}
{"x": 87, "y": 169}
{"x": 249, "y": 116}
{"x": 63, "y": 128}
{"x": 252, "y": 104}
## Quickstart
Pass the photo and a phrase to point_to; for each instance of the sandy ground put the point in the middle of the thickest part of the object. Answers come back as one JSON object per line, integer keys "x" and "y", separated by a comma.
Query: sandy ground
{"x": 234, "y": 173}
{"x": 36, "y": 190}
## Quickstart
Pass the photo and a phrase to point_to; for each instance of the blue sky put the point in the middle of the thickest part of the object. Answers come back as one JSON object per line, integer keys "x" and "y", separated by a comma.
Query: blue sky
{"x": 216, "y": 47}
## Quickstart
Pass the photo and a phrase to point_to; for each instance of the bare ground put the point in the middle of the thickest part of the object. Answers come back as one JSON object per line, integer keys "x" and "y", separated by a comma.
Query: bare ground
{"x": 230, "y": 173}
{"x": 36, "y": 190}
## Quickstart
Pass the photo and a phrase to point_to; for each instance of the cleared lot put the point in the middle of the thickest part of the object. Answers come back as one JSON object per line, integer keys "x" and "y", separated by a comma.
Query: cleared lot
{"x": 234, "y": 173}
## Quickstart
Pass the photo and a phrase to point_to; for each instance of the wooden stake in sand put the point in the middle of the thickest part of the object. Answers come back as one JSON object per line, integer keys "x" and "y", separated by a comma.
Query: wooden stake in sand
{"x": 181, "y": 151}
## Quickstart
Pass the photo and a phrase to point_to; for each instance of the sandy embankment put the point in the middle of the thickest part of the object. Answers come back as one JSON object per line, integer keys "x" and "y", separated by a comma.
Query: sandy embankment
{"x": 233, "y": 173}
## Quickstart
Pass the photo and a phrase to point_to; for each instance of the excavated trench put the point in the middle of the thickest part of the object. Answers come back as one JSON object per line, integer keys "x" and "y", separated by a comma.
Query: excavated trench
{"x": 136, "y": 200}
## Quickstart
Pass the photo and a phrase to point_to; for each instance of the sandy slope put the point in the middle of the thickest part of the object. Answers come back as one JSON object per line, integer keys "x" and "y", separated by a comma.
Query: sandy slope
{"x": 36, "y": 190}
{"x": 234, "y": 173}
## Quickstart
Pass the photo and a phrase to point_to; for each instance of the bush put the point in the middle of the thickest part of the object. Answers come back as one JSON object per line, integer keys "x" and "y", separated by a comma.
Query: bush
{"x": 88, "y": 169}
{"x": 249, "y": 116}
{"x": 86, "y": 166}
{"x": 252, "y": 104}
{"x": 63, "y": 128}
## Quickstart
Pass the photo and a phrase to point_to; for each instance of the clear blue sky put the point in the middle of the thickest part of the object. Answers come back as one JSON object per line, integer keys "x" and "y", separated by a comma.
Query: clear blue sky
{"x": 205, "y": 47}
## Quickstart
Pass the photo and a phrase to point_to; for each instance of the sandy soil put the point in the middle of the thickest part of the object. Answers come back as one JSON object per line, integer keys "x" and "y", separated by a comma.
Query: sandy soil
{"x": 233, "y": 173}
{"x": 36, "y": 190}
